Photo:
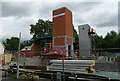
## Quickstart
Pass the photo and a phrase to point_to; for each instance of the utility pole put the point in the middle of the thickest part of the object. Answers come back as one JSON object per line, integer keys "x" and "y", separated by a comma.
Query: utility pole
{"x": 63, "y": 65}
{"x": 118, "y": 60}
{"x": 18, "y": 56}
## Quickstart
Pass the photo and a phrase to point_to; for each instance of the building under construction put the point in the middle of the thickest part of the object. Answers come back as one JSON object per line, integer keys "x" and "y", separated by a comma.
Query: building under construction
{"x": 34, "y": 59}
{"x": 61, "y": 40}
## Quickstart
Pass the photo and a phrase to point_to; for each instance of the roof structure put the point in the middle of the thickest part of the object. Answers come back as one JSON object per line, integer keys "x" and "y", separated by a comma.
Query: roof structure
{"x": 26, "y": 48}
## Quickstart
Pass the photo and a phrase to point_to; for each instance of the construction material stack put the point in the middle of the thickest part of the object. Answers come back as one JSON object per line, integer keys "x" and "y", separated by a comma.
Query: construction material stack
{"x": 73, "y": 66}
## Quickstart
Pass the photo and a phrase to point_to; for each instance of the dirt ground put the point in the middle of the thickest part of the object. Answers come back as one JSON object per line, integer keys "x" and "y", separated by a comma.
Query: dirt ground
{"x": 10, "y": 79}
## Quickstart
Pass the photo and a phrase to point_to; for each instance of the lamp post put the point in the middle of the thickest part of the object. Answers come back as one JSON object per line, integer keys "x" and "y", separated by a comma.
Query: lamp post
{"x": 18, "y": 56}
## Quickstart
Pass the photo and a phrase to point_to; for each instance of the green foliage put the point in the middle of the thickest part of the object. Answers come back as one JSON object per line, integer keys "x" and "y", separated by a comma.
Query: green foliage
{"x": 12, "y": 44}
{"x": 98, "y": 41}
{"x": 41, "y": 29}
{"x": 76, "y": 39}
{"x": 111, "y": 40}
{"x": 75, "y": 35}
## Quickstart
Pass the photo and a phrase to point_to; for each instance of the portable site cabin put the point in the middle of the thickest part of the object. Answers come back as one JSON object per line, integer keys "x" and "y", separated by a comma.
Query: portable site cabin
{"x": 2, "y": 48}
{"x": 4, "y": 57}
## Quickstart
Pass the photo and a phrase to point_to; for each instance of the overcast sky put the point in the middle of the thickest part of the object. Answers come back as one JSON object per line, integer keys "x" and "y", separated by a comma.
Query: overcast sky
{"x": 17, "y": 16}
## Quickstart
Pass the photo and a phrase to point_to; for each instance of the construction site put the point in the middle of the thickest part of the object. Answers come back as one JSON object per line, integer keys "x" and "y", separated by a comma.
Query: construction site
{"x": 58, "y": 60}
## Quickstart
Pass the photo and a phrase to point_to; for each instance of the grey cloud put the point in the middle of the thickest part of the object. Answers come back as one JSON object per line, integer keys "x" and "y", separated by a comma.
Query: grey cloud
{"x": 107, "y": 22}
{"x": 18, "y": 9}
{"x": 13, "y": 27}
{"x": 19, "y": 15}
{"x": 45, "y": 10}
{"x": 99, "y": 16}
{"x": 106, "y": 19}
{"x": 81, "y": 6}
{"x": 0, "y": 9}
{"x": 75, "y": 7}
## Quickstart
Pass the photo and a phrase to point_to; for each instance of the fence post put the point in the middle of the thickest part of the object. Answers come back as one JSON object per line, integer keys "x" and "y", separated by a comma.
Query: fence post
{"x": 58, "y": 77}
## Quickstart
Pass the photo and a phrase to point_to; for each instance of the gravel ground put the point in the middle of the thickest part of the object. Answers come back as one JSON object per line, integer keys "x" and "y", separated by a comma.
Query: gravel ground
{"x": 10, "y": 79}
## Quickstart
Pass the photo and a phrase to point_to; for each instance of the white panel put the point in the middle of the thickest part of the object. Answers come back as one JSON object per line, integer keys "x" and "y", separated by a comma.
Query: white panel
{"x": 61, "y": 14}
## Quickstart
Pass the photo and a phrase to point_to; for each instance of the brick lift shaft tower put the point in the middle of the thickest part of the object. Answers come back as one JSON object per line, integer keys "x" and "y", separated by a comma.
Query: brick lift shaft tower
{"x": 62, "y": 31}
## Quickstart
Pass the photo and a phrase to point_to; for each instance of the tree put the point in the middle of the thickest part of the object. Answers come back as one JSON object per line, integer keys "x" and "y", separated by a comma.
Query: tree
{"x": 76, "y": 39}
{"x": 111, "y": 40}
{"x": 98, "y": 41}
{"x": 41, "y": 29}
{"x": 118, "y": 41}
{"x": 12, "y": 44}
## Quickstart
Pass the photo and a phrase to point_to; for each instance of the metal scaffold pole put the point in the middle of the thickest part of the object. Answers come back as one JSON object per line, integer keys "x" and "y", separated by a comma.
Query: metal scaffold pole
{"x": 63, "y": 65}
{"x": 18, "y": 56}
